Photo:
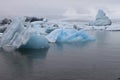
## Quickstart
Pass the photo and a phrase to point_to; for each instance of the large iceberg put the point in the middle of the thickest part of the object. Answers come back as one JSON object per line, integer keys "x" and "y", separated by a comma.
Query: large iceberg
{"x": 101, "y": 19}
{"x": 20, "y": 33}
{"x": 68, "y": 35}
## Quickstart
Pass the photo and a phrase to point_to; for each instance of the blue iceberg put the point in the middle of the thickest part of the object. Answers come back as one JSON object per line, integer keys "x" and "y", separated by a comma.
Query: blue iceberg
{"x": 68, "y": 35}
{"x": 22, "y": 35}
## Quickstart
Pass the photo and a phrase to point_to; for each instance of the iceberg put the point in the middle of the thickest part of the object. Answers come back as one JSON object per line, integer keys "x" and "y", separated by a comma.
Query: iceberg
{"x": 68, "y": 35}
{"x": 20, "y": 33}
{"x": 101, "y": 19}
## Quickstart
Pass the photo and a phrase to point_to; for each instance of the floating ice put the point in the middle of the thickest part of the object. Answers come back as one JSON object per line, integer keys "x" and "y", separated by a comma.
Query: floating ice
{"x": 101, "y": 19}
{"x": 35, "y": 42}
{"x": 114, "y": 27}
{"x": 68, "y": 35}
{"x": 19, "y": 33}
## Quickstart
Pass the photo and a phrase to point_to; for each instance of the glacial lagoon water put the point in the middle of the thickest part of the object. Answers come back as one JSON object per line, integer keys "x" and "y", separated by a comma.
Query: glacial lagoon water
{"x": 94, "y": 60}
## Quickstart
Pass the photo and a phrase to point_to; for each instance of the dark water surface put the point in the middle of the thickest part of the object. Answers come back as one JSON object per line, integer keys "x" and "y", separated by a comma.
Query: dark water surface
{"x": 95, "y": 60}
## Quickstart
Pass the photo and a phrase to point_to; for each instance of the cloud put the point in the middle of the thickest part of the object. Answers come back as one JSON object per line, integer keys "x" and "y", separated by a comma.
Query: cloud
{"x": 57, "y": 7}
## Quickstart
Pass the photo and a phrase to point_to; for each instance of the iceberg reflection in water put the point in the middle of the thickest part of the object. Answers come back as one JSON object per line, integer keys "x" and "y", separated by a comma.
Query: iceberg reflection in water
{"x": 34, "y": 53}
{"x": 21, "y": 64}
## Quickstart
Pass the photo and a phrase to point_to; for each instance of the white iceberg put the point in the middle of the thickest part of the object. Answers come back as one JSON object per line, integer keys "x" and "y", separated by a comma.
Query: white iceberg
{"x": 68, "y": 35}
{"x": 20, "y": 33}
{"x": 101, "y": 19}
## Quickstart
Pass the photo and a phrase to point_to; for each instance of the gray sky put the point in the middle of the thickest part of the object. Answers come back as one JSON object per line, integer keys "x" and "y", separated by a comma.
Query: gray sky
{"x": 58, "y": 7}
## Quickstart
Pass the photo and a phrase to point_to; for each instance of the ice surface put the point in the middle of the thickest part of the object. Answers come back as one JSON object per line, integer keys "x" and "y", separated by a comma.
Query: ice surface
{"x": 1, "y": 35}
{"x": 101, "y": 19}
{"x": 15, "y": 34}
{"x": 68, "y": 35}
{"x": 36, "y": 42}
{"x": 50, "y": 29}
{"x": 20, "y": 33}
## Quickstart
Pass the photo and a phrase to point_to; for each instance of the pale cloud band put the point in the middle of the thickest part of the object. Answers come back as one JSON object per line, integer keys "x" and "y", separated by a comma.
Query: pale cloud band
{"x": 58, "y": 7}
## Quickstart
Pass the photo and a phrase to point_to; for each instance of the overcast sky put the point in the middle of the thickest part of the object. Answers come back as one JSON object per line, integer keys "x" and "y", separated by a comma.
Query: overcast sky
{"x": 58, "y": 7}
